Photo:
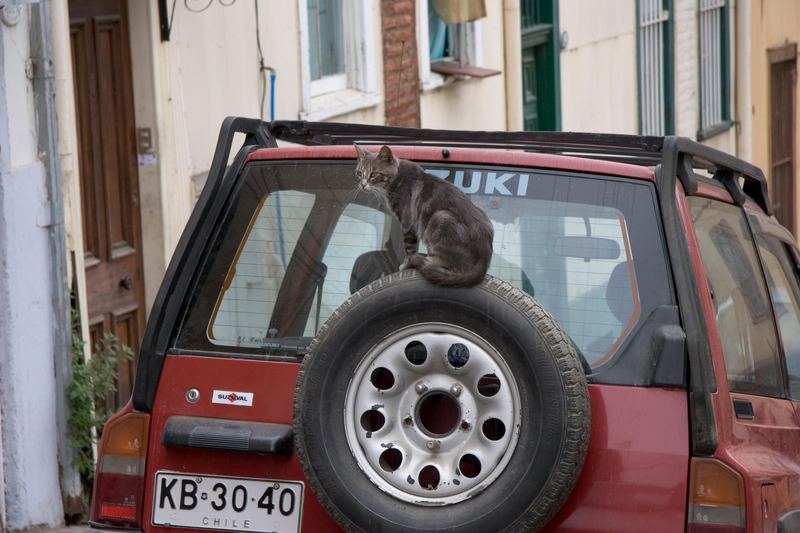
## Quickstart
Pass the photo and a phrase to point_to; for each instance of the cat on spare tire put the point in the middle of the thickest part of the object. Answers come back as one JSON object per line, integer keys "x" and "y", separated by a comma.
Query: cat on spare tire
{"x": 457, "y": 233}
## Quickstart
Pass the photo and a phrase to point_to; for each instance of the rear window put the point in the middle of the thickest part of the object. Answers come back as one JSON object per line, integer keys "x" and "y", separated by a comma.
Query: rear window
{"x": 300, "y": 238}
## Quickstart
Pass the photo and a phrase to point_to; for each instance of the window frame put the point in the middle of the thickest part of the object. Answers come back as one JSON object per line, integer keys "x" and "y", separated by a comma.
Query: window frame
{"x": 471, "y": 53}
{"x": 332, "y": 82}
{"x": 710, "y": 129}
{"x": 770, "y": 228}
{"x": 783, "y": 392}
{"x": 623, "y": 367}
{"x": 667, "y": 69}
{"x": 357, "y": 87}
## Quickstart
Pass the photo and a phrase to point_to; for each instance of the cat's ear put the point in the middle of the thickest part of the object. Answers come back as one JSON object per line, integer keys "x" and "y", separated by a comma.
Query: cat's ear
{"x": 386, "y": 154}
{"x": 361, "y": 153}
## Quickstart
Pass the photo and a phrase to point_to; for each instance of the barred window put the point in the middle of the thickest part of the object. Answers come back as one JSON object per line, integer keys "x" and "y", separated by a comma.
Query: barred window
{"x": 714, "y": 70}
{"x": 655, "y": 67}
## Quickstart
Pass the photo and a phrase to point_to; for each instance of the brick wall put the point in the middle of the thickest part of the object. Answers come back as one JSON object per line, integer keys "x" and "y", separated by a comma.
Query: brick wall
{"x": 400, "y": 66}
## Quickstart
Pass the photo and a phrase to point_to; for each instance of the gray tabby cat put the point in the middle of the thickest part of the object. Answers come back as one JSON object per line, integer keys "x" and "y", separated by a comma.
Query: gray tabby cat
{"x": 458, "y": 233}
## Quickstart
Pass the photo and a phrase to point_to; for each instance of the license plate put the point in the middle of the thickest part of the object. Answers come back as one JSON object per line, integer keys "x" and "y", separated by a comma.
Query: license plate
{"x": 234, "y": 504}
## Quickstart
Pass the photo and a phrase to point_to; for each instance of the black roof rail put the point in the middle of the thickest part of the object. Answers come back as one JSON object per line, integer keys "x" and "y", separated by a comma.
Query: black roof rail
{"x": 740, "y": 178}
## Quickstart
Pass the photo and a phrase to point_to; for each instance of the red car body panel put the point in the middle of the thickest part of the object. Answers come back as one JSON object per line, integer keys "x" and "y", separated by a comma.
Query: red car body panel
{"x": 766, "y": 449}
{"x": 465, "y": 155}
{"x": 635, "y": 474}
{"x": 636, "y": 471}
{"x": 272, "y": 385}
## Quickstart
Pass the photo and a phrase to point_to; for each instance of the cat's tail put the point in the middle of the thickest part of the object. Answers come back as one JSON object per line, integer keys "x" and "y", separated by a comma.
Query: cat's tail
{"x": 433, "y": 270}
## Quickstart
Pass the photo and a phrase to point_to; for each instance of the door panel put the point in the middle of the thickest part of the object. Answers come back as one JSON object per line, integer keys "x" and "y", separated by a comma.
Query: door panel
{"x": 108, "y": 177}
{"x": 530, "y": 102}
{"x": 126, "y": 327}
{"x": 540, "y": 83}
{"x": 272, "y": 387}
{"x": 765, "y": 451}
{"x": 635, "y": 475}
{"x": 760, "y": 437}
{"x": 783, "y": 75}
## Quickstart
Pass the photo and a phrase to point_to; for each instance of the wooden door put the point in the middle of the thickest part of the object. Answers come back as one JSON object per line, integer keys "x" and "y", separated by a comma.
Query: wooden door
{"x": 530, "y": 100}
{"x": 782, "y": 78}
{"x": 540, "y": 83}
{"x": 108, "y": 177}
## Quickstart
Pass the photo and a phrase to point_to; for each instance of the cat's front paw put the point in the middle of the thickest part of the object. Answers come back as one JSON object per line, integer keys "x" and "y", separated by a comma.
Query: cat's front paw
{"x": 404, "y": 265}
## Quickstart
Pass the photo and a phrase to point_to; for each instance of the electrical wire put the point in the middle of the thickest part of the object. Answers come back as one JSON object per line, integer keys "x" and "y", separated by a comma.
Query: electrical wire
{"x": 194, "y": 10}
{"x": 262, "y": 71}
{"x": 223, "y": 3}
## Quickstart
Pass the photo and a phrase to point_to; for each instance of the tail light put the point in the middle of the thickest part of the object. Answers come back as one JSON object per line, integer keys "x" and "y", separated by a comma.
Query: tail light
{"x": 119, "y": 480}
{"x": 716, "y": 498}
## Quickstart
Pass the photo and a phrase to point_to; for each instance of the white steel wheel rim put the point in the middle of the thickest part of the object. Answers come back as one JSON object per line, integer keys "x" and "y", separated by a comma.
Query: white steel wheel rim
{"x": 395, "y": 427}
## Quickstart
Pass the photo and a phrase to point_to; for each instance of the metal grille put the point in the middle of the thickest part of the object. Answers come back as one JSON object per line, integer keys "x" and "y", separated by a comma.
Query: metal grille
{"x": 711, "y": 66}
{"x": 653, "y": 19}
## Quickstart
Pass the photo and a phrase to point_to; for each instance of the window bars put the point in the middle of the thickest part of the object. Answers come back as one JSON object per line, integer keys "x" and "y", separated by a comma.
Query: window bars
{"x": 713, "y": 70}
{"x": 654, "y": 82}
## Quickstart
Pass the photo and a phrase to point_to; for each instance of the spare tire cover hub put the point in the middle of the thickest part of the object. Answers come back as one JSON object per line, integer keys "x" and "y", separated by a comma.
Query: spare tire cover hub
{"x": 432, "y": 414}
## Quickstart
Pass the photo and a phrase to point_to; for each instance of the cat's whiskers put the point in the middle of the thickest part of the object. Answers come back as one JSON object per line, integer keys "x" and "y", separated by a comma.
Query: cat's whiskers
{"x": 353, "y": 194}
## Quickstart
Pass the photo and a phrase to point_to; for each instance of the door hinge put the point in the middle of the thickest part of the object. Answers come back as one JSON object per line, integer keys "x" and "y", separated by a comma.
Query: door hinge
{"x": 39, "y": 68}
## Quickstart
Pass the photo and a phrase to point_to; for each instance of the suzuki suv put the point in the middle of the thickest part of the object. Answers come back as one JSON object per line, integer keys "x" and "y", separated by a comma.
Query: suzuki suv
{"x": 631, "y": 362}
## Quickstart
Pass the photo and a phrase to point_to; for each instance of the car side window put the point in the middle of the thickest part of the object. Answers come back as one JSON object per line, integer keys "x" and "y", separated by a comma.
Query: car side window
{"x": 784, "y": 287}
{"x": 743, "y": 310}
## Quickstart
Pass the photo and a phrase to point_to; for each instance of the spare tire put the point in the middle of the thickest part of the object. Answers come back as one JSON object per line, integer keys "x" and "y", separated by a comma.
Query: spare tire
{"x": 425, "y": 408}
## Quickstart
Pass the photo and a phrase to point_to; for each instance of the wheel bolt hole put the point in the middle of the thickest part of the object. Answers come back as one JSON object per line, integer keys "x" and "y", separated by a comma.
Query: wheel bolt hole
{"x": 416, "y": 353}
{"x": 469, "y": 466}
{"x": 438, "y": 414}
{"x": 429, "y": 477}
{"x": 494, "y": 429}
{"x": 372, "y": 420}
{"x": 382, "y": 378}
{"x": 457, "y": 355}
{"x": 391, "y": 459}
{"x": 488, "y": 385}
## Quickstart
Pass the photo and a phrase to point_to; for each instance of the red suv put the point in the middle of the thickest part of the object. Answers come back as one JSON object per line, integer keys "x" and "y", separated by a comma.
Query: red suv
{"x": 631, "y": 363}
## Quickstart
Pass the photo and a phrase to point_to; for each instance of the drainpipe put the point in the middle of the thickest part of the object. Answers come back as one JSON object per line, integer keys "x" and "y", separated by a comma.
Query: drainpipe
{"x": 513, "y": 64}
{"x": 68, "y": 157}
{"x": 41, "y": 50}
{"x": 744, "y": 98}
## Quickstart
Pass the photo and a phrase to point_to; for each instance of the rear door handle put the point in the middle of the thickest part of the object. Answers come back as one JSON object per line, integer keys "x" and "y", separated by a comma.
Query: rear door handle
{"x": 230, "y": 435}
{"x": 743, "y": 409}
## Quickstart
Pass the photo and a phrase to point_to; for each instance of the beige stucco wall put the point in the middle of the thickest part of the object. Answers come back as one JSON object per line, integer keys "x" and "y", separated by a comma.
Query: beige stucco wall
{"x": 184, "y": 88}
{"x": 473, "y": 103}
{"x": 598, "y": 66}
{"x": 773, "y": 23}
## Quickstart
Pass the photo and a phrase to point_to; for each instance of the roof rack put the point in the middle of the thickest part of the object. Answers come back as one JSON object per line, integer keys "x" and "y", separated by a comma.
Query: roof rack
{"x": 680, "y": 154}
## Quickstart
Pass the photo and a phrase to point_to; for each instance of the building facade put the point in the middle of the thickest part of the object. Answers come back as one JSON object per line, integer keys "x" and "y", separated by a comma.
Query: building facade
{"x": 769, "y": 115}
